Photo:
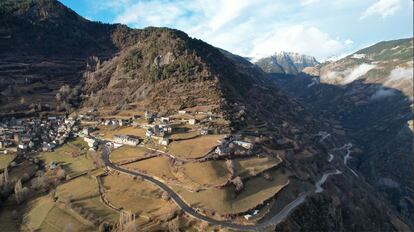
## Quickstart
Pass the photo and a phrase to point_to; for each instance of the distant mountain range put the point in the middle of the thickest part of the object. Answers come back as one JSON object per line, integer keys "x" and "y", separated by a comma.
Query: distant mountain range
{"x": 286, "y": 63}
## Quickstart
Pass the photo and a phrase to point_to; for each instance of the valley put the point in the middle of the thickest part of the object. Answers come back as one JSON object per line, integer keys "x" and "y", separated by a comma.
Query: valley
{"x": 108, "y": 128}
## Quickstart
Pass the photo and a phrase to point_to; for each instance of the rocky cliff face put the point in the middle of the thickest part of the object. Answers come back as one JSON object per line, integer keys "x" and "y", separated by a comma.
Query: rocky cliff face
{"x": 286, "y": 63}
{"x": 369, "y": 94}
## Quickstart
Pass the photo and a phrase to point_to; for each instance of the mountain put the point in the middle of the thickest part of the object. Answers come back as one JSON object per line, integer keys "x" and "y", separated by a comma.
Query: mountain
{"x": 370, "y": 95}
{"x": 286, "y": 63}
{"x": 77, "y": 66}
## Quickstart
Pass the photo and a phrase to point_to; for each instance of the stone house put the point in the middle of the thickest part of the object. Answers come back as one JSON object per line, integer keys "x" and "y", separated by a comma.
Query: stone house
{"x": 164, "y": 119}
{"x": 164, "y": 141}
{"x": 245, "y": 145}
{"x": 126, "y": 139}
{"x": 204, "y": 131}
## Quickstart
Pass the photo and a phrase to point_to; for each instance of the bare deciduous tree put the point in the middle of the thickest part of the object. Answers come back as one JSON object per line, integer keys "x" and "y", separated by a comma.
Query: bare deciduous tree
{"x": 230, "y": 166}
{"x": 61, "y": 173}
{"x": 126, "y": 222}
{"x": 18, "y": 191}
{"x": 165, "y": 196}
{"x": 174, "y": 225}
{"x": 238, "y": 184}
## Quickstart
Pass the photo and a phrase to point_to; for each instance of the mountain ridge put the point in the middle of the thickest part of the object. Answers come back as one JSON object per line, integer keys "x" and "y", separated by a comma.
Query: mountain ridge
{"x": 286, "y": 63}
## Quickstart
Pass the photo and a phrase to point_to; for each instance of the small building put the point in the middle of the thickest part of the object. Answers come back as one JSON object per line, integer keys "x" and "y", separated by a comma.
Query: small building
{"x": 92, "y": 143}
{"x": 204, "y": 131}
{"x": 221, "y": 150}
{"x": 126, "y": 139}
{"x": 248, "y": 216}
{"x": 48, "y": 147}
{"x": 149, "y": 132}
{"x": 53, "y": 165}
{"x": 182, "y": 112}
{"x": 164, "y": 141}
{"x": 22, "y": 146}
{"x": 245, "y": 145}
{"x": 164, "y": 119}
{"x": 121, "y": 122}
{"x": 192, "y": 121}
{"x": 86, "y": 131}
{"x": 148, "y": 115}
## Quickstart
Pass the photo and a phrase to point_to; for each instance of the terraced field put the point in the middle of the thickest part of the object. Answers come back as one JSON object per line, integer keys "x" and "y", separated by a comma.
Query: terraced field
{"x": 225, "y": 201}
{"x": 64, "y": 156}
{"x": 46, "y": 215}
{"x": 194, "y": 148}
{"x": 84, "y": 191}
{"x": 140, "y": 197}
{"x": 128, "y": 153}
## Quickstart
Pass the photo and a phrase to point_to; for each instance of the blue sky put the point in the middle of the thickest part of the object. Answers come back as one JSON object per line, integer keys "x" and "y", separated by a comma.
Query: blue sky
{"x": 257, "y": 28}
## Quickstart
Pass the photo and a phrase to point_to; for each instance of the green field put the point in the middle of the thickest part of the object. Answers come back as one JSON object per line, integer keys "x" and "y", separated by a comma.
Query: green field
{"x": 108, "y": 132}
{"x": 84, "y": 191}
{"x": 46, "y": 215}
{"x": 225, "y": 201}
{"x": 5, "y": 160}
{"x": 157, "y": 166}
{"x": 252, "y": 166}
{"x": 194, "y": 148}
{"x": 62, "y": 155}
{"x": 128, "y": 153}
{"x": 17, "y": 172}
{"x": 140, "y": 197}
{"x": 6, "y": 221}
{"x": 207, "y": 173}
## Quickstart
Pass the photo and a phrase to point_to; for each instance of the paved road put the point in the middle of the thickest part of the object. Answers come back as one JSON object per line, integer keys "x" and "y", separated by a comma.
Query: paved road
{"x": 279, "y": 217}
{"x": 348, "y": 156}
{"x": 325, "y": 176}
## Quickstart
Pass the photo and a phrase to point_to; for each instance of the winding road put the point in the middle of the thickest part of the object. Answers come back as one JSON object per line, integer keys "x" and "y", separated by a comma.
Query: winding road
{"x": 279, "y": 217}
{"x": 348, "y": 156}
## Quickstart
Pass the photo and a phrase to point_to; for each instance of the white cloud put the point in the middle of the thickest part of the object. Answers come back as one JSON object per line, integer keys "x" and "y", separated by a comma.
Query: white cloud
{"x": 382, "y": 8}
{"x": 400, "y": 73}
{"x": 308, "y": 2}
{"x": 348, "y": 42}
{"x": 248, "y": 27}
{"x": 357, "y": 72}
{"x": 298, "y": 38}
{"x": 382, "y": 93}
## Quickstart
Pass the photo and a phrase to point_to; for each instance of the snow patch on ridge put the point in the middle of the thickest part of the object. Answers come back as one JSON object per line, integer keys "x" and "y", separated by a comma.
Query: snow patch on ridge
{"x": 358, "y": 56}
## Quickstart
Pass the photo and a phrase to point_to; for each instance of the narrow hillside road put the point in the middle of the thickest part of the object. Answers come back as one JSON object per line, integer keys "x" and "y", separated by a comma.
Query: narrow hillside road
{"x": 279, "y": 217}
{"x": 348, "y": 156}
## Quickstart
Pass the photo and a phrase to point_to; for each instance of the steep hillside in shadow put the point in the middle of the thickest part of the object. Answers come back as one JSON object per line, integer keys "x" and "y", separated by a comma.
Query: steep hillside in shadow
{"x": 374, "y": 110}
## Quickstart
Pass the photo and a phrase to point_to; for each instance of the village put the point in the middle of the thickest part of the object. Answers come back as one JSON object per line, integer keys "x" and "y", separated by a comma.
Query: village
{"x": 190, "y": 151}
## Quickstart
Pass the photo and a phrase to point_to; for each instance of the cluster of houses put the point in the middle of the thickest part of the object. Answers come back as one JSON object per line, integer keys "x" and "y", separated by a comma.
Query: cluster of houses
{"x": 228, "y": 146}
{"x": 159, "y": 132}
{"x": 116, "y": 122}
{"x": 30, "y": 134}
